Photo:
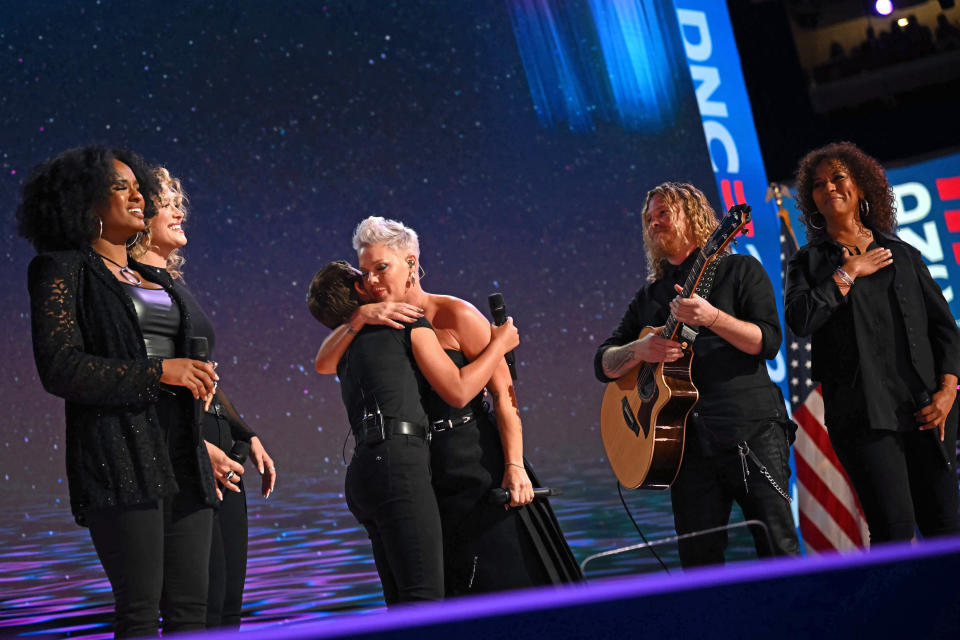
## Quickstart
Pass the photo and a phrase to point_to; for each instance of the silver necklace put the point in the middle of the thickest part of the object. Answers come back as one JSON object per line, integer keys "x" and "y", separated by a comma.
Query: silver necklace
{"x": 128, "y": 274}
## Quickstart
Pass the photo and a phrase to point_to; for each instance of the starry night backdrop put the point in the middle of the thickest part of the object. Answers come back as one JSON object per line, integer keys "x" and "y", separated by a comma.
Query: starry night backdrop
{"x": 288, "y": 122}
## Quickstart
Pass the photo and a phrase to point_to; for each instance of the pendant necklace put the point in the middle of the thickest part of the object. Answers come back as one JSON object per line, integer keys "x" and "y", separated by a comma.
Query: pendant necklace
{"x": 128, "y": 274}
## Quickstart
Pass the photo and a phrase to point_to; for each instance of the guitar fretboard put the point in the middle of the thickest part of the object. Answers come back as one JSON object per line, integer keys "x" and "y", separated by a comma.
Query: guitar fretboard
{"x": 703, "y": 287}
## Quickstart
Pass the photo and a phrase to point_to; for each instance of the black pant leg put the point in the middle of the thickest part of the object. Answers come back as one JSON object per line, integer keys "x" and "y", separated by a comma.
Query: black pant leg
{"x": 234, "y": 539}
{"x": 129, "y": 543}
{"x": 388, "y": 490}
{"x": 700, "y": 502}
{"x": 764, "y": 503}
{"x": 217, "y": 577}
{"x": 876, "y": 463}
{"x": 933, "y": 484}
{"x": 186, "y": 568}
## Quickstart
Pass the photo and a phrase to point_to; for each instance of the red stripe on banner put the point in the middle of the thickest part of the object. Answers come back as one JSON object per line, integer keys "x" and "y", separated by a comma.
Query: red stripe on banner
{"x": 738, "y": 191}
{"x": 952, "y": 218}
{"x": 812, "y": 536}
{"x": 838, "y": 511}
{"x": 818, "y": 434}
{"x": 726, "y": 193}
{"x": 956, "y": 252}
{"x": 949, "y": 188}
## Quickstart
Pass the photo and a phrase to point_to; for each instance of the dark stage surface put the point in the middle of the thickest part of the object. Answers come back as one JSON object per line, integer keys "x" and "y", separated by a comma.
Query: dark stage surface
{"x": 308, "y": 557}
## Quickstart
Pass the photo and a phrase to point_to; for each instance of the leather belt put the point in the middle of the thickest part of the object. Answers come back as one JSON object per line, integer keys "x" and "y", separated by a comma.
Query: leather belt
{"x": 393, "y": 427}
{"x": 439, "y": 426}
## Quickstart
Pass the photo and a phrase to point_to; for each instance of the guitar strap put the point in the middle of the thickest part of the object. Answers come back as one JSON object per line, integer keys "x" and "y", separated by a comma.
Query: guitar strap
{"x": 703, "y": 290}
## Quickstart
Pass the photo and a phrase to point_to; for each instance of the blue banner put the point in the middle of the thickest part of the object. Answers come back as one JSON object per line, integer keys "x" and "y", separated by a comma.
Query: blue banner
{"x": 731, "y": 137}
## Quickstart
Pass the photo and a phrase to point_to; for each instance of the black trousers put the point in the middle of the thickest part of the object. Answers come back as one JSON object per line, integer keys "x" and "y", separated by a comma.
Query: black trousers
{"x": 707, "y": 486}
{"x": 388, "y": 490}
{"x": 486, "y": 548}
{"x": 156, "y": 560}
{"x": 228, "y": 548}
{"x": 228, "y": 561}
{"x": 901, "y": 479}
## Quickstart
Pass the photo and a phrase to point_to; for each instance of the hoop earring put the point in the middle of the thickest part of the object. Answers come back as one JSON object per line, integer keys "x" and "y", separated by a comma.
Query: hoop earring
{"x": 100, "y": 235}
{"x": 421, "y": 272}
{"x": 864, "y": 208}
{"x": 810, "y": 221}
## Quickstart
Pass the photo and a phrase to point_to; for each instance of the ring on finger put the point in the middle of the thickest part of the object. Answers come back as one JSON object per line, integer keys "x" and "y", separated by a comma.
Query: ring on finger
{"x": 229, "y": 475}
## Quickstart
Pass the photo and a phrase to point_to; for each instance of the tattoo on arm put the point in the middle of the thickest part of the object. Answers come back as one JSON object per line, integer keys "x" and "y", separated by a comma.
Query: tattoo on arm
{"x": 616, "y": 360}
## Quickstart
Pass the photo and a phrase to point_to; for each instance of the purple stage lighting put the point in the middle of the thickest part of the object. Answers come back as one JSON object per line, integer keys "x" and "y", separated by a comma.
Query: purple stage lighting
{"x": 884, "y": 7}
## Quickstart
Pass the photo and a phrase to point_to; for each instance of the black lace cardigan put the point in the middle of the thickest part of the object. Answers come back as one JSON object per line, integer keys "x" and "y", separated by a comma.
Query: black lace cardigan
{"x": 89, "y": 351}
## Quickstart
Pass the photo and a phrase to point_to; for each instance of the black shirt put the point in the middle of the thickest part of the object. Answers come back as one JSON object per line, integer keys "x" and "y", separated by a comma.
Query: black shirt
{"x": 737, "y": 397}
{"x": 378, "y": 370}
{"x": 874, "y": 349}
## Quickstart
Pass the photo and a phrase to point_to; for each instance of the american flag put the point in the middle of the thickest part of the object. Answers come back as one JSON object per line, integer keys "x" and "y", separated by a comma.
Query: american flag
{"x": 830, "y": 515}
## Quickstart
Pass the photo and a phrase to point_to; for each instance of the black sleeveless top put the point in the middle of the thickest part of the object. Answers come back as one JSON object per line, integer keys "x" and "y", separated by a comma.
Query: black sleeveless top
{"x": 438, "y": 409}
{"x": 378, "y": 370}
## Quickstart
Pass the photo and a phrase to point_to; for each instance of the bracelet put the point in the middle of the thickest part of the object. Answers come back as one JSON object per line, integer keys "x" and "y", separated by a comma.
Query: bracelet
{"x": 717, "y": 317}
{"x": 844, "y": 276}
{"x": 513, "y": 464}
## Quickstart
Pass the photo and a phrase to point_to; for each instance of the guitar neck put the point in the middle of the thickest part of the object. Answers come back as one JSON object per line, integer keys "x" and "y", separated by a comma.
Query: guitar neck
{"x": 694, "y": 283}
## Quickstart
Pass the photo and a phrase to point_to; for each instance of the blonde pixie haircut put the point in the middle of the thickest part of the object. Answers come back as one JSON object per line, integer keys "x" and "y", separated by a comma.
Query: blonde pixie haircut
{"x": 142, "y": 245}
{"x": 390, "y": 233}
{"x": 681, "y": 199}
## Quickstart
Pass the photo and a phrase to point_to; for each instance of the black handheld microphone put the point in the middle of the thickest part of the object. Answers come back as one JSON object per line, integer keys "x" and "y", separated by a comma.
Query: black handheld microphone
{"x": 502, "y": 496}
{"x": 239, "y": 451}
{"x": 922, "y": 399}
{"x": 499, "y": 313}
{"x": 199, "y": 349}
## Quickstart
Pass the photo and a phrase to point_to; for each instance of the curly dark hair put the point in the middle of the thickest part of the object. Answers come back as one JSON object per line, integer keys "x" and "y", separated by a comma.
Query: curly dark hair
{"x": 332, "y": 298}
{"x": 866, "y": 173}
{"x": 60, "y": 195}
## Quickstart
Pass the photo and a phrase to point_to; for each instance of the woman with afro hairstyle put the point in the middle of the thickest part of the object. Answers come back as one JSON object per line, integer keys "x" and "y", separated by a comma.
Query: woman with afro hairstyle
{"x": 885, "y": 346}
{"x": 91, "y": 308}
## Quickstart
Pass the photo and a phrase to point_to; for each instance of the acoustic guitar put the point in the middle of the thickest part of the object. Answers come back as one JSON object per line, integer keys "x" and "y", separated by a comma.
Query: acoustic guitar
{"x": 644, "y": 413}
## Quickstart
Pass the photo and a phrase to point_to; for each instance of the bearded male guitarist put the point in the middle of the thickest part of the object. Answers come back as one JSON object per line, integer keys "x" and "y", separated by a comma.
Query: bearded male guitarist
{"x": 738, "y": 426}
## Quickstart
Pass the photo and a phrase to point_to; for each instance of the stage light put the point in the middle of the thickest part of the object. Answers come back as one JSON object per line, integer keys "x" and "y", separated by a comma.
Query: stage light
{"x": 902, "y": 23}
{"x": 884, "y": 7}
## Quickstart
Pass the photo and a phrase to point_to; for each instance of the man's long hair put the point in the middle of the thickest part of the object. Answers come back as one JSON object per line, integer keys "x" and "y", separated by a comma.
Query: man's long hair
{"x": 680, "y": 198}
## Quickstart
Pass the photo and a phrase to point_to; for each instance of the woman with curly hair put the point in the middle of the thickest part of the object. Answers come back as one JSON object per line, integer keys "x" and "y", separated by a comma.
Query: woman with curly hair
{"x": 159, "y": 248}
{"x": 886, "y": 349}
{"x": 91, "y": 308}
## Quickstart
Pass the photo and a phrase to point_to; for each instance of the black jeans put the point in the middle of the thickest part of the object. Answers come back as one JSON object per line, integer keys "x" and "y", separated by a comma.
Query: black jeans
{"x": 901, "y": 480}
{"x": 156, "y": 560}
{"x": 228, "y": 561}
{"x": 706, "y": 488}
{"x": 388, "y": 490}
{"x": 228, "y": 549}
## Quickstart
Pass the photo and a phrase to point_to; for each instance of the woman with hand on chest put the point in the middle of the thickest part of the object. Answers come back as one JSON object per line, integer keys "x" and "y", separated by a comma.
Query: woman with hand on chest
{"x": 885, "y": 346}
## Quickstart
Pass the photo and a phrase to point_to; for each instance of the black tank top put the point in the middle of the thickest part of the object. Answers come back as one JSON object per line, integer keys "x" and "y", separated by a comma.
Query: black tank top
{"x": 378, "y": 370}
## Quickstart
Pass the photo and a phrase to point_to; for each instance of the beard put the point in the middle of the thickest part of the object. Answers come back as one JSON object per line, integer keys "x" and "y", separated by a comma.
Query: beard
{"x": 667, "y": 243}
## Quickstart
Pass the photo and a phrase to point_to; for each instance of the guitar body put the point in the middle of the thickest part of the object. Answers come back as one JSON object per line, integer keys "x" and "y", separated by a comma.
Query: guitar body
{"x": 643, "y": 421}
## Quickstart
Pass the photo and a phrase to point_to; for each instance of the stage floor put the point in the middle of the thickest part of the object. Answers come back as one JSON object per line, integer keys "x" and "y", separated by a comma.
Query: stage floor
{"x": 308, "y": 557}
